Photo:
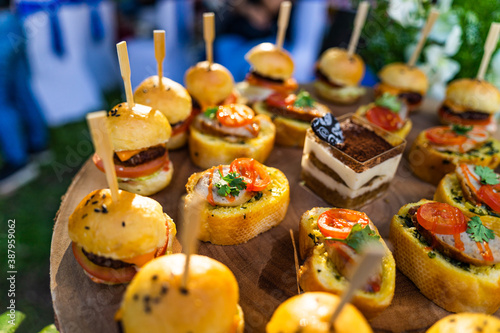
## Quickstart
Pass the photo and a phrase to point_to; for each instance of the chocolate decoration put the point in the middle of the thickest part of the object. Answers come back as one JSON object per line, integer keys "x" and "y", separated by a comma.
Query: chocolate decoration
{"x": 327, "y": 128}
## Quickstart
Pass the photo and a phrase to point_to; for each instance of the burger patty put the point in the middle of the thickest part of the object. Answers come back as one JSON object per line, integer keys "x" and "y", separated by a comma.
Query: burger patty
{"x": 322, "y": 77}
{"x": 105, "y": 262}
{"x": 263, "y": 77}
{"x": 412, "y": 98}
{"x": 302, "y": 114}
{"x": 467, "y": 115}
{"x": 143, "y": 157}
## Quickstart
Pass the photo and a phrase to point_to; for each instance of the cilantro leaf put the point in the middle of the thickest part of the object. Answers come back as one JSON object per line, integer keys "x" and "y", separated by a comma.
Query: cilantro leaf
{"x": 231, "y": 184}
{"x": 358, "y": 237}
{"x": 461, "y": 129}
{"x": 488, "y": 176}
{"x": 210, "y": 112}
{"x": 389, "y": 101}
{"x": 478, "y": 232}
{"x": 304, "y": 100}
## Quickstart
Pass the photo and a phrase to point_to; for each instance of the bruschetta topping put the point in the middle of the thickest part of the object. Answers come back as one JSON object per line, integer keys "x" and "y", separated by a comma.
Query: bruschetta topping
{"x": 300, "y": 107}
{"x": 456, "y": 138}
{"x": 388, "y": 112}
{"x": 480, "y": 185}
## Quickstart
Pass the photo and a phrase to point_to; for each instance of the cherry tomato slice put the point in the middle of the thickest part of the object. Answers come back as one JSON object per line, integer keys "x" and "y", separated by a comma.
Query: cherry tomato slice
{"x": 338, "y": 222}
{"x": 441, "y": 218}
{"x": 141, "y": 170}
{"x": 490, "y": 195}
{"x": 280, "y": 100}
{"x": 235, "y": 115}
{"x": 384, "y": 118}
{"x": 254, "y": 173}
{"x": 444, "y": 135}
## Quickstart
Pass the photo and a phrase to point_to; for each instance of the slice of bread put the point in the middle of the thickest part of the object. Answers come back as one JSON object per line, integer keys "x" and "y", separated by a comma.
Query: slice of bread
{"x": 454, "y": 286}
{"x": 319, "y": 273}
{"x": 209, "y": 150}
{"x": 431, "y": 165}
{"x": 450, "y": 192}
{"x": 238, "y": 224}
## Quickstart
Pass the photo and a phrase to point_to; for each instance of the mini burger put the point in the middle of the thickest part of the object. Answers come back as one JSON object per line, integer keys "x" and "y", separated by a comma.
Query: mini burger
{"x": 156, "y": 301}
{"x": 311, "y": 312}
{"x": 406, "y": 82}
{"x": 271, "y": 71}
{"x": 139, "y": 138}
{"x": 471, "y": 102}
{"x": 338, "y": 76}
{"x": 173, "y": 101}
{"x": 112, "y": 239}
{"x": 209, "y": 85}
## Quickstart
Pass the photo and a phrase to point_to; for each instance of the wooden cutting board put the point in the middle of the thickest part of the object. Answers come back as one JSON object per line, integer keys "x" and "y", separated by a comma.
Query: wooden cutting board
{"x": 264, "y": 267}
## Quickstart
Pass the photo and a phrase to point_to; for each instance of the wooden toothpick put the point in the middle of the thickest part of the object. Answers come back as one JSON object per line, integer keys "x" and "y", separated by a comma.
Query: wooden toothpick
{"x": 283, "y": 18}
{"x": 431, "y": 19}
{"x": 489, "y": 47}
{"x": 125, "y": 70}
{"x": 359, "y": 22}
{"x": 104, "y": 148}
{"x": 296, "y": 260}
{"x": 209, "y": 35}
{"x": 159, "y": 38}
{"x": 371, "y": 259}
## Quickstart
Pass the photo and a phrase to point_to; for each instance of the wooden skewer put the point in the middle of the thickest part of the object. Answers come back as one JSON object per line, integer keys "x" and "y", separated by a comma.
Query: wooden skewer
{"x": 433, "y": 15}
{"x": 371, "y": 259}
{"x": 191, "y": 217}
{"x": 359, "y": 22}
{"x": 296, "y": 259}
{"x": 125, "y": 70}
{"x": 209, "y": 35}
{"x": 283, "y": 18}
{"x": 489, "y": 47}
{"x": 104, "y": 148}
{"x": 159, "y": 37}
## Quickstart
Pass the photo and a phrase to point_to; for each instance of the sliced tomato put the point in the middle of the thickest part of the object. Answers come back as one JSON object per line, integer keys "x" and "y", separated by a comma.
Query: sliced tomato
{"x": 444, "y": 135}
{"x": 235, "y": 115}
{"x": 280, "y": 100}
{"x": 338, "y": 222}
{"x": 441, "y": 218}
{"x": 385, "y": 118}
{"x": 490, "y": 195}
{"x": 454, "y": 119}
{"x": 105, "y": 274}
{"x": 141, "y": 170}
{"x": 254, "y": 173}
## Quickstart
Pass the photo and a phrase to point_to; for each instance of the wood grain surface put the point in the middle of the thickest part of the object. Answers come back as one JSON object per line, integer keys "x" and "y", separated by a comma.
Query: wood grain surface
{"x": 264, "y": 267}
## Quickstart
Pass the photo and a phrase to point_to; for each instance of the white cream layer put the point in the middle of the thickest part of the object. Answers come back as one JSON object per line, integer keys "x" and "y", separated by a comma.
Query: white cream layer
{"x": 351, "y": 178}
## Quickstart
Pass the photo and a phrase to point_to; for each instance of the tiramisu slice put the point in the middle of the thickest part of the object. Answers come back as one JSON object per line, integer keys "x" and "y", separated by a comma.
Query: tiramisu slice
{"x": 349, "y": 162}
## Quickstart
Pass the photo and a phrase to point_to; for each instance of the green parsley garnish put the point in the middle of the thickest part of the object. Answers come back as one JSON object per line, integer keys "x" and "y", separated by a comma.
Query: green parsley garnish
{"x": 231, "y": 184}
{"x": 389, "y": 101}
{"x": 210, "y": 112}
{"x": 461, "y": 129}
{"x": 488, "y": 176}
{"x": 304, "y": 100}
{"x": 478, "y": 232}
{"x": 358, "y": 237}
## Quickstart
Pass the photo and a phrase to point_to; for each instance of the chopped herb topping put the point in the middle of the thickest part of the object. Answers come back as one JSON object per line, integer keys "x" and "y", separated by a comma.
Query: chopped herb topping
{"x": 210, "y": 112}
{"x": 231, "y": 184}
{"x": 461, "y": 129}
{"x": 488, "y": 176}
{"x": 258, "y": 196}
{"x": 478, "y": 232}
{"x": 431, "y": 254}
{"x": 358, "y": 237}
{"x": 389, "y": 101}
{"x": 304, "y": 100}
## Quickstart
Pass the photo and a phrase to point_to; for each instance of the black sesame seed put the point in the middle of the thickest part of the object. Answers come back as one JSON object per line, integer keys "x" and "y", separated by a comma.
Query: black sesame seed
{"x": 84, "y": 216}
{"x": 104, "y": 196}
{"x": 104, "y": 209}
{"x": 146, "y": 299}
{"x": 86, "y": 203}
{"x": 136, "y": 297}
{"x": 163, "y": 290}
{"x": 154, "y": 277}
{"x": 244, "y": 216}
{"x": 94, "y": 202}
{"x": 92, "y": 197}
{"x": 119, "y": 105}
{"x": 87, "y": 228}
{"x": 97, "y": 210}
{"x": 184, "y": 291}
{"x": 123, "y": 224}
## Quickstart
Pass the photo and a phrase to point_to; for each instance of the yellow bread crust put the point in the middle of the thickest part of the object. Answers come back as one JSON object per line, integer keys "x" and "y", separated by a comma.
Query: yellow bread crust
{"x": 450, "y": 192}
{"x": 466, "y": 322}
{"x": 345, "y": 95}
{"x": 311, "y": 313}
{"x": 431, "y": 165}
{"x": 402, "y": 132}
{"x": 210, "y": 305}
{"x": 209, "y": 150}
{"x": 103, "y": 234}
{"x": 453, "y": 288}
{"x": 148, "y": 185}
{"x": 319, "y": 274}
{"x": 239, "y": 224}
